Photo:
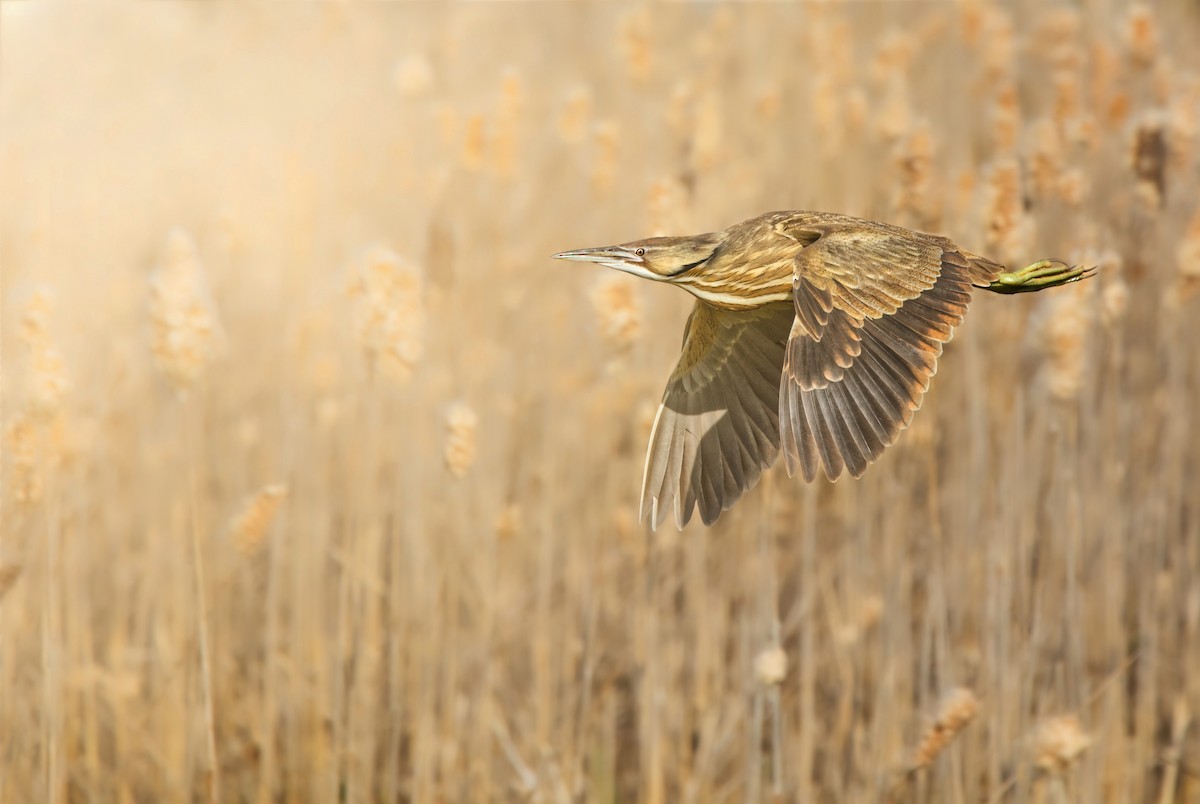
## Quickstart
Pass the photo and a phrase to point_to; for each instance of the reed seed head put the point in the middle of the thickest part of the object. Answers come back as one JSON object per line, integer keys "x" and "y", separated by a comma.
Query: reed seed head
{"x": 1058, "y": 742}
{"x": 186, "y": 333}
{"x": 771, "y": 666}
{"x": 48, "y": 381}
{"x": 388, "y": 312}
{"x": 250, "y": 527}
{"x": 461, "y": 426}
{"x": 957, "y": 708}
{"x": 618, "y": 309}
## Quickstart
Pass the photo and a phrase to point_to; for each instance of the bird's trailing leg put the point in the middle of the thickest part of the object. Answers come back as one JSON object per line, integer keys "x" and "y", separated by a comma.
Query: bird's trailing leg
{"x": 1039, "y": 276}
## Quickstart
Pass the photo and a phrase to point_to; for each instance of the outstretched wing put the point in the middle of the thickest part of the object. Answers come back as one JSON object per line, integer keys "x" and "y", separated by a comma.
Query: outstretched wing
{"x": 874, "y": 304}
{"x": 718, "y": 425}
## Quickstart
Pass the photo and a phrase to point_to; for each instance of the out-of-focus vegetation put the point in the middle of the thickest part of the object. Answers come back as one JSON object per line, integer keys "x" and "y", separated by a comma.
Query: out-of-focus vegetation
{"x": 320, "y": 477}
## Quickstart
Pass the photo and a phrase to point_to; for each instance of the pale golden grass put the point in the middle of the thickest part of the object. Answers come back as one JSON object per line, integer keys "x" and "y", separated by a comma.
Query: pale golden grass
{"x": 458, "y": 603}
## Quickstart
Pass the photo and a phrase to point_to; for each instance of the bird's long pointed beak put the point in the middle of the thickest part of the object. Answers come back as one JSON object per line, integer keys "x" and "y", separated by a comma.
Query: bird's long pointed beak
{"x": 604, "y": 256}
{"x": 615, "y": 257}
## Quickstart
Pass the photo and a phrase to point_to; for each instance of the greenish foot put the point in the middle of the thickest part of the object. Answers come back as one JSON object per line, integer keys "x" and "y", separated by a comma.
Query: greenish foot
{"x": 1039, "y": 276}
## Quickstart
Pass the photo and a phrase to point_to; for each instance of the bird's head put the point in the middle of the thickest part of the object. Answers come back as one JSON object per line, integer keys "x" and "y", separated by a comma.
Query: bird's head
{"x": 663, "y": 259}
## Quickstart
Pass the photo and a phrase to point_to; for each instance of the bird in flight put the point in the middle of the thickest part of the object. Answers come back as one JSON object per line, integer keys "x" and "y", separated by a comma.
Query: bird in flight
{"x": 812, "y": 332}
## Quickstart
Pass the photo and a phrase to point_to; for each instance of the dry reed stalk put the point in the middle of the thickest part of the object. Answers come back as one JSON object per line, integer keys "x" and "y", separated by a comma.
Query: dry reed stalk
{"x": 185, "y": 328}
{"x": 461, "y": 425}
{"x": 388, "y": 313}
{"x": 958, "y": 707}
{"x": 248, "y": 530}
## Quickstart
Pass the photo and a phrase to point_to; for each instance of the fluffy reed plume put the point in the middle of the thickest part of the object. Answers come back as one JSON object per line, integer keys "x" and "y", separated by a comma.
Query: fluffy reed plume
{"x": 1059, "y": 333}
{"x": 895, "y": 114}
{"x": 1057, "y": 743}
{"x": 999, "y": 46}
{"x": 461, "y": 424}
{"x": 771, "y": 666}
{"x": 185, "y": 336}
{"x": 388, "y": 312}
{"x": 25, "y": 478}
{"x": 1141, "y": 35}
{"x": 1056, "y": 39}
{"x": 1005, "y": 119}
{"x": 474, "y": 142}
{"x": 48, "y": 381}
{"x": 919, "y": 195}
{"x": 957, "y": 708}
{"x": 618, "y": 309}
{"x": 636, "y": 44}
{"x": 1046, "y": 159}
{"x": 506, "y": 141}
{"x": 892, "y": 58}
{"x": 1073, "y": 127}
{"x": 8, "y": 578}
{"x": 604, "y": 166}
{"x": 509, "y": 522}
{"x": 572, "y": 123}
{"x": 1009, "y": 229}
{"x": 768, "y": 104}
{"x": 413, "y": 76}
{"x": 665, "y": 208}
{"x": 248, "y": 530}
{"x": 1183, "y": 122}
{"x": 1148, "y": 160}
{"x": 707, "y": 133}
{"x": 1187, "y": 259}
{"x": 869, "y": 613}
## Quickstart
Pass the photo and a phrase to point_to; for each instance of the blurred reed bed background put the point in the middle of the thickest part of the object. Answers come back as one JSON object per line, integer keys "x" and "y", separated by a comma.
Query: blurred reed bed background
{"x": 320, "y": 478}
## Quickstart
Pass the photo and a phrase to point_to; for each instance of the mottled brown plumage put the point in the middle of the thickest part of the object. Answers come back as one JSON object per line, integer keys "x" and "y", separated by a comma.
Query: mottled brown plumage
{"x": 812, "y": 331}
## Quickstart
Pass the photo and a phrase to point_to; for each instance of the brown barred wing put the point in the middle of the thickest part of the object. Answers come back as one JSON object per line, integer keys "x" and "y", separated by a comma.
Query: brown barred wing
{"x": 717, "y": 427}
{"x": 873, "y": 310}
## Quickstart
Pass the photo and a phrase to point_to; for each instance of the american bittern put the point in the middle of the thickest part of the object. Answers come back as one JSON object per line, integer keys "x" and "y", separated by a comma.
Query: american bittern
{"x": 814, "y": 331}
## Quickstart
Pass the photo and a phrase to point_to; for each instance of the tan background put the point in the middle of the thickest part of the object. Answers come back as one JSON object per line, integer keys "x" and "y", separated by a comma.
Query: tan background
{"x": 397, "y": 632}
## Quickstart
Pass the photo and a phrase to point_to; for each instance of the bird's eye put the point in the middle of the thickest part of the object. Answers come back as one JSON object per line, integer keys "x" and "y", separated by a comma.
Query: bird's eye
{"x": 641, "y": 252}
